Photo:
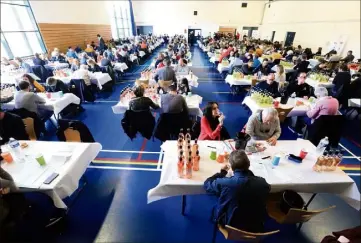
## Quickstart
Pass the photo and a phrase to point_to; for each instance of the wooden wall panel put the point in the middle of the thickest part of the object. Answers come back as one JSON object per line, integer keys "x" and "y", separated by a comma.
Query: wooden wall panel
{"x": 64, "y": 35}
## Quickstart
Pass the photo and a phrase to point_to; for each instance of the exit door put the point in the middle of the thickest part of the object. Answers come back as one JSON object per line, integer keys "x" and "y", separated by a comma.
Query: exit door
{"x": 290, "y": 36}
{"x": 273, "y": 35}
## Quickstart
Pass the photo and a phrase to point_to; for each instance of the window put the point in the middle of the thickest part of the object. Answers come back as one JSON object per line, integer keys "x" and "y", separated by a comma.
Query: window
{"x": 120, "y": 20}
{"x": 20, "y": 36}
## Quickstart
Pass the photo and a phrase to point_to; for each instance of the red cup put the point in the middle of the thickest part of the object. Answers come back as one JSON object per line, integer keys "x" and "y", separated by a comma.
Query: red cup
{"x": 48, "y": 95}
{"x": 303, "y": 153}
{"x": 276, "y": 103}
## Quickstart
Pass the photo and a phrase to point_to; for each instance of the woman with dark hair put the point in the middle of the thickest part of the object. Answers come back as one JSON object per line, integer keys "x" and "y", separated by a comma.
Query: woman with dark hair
{"x": 183, "y": 87}
{"x": 33, "y": 83}
{"x": 212, "y": 124}
{"x": 141, "y": 103}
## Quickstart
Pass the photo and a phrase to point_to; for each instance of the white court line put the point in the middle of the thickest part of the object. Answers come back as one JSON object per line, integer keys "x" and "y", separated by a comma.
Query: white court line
{"x": 106, "y": 101}
{"x": 353, "y": 174}
{"x": 120, "y": 168}
{"x": 358, "y": 158}
{"x": 221, "y": 92}
{"x": 124, "y": 151}
{"x": 160, "y": 159}
{"x": 349, "y": 157}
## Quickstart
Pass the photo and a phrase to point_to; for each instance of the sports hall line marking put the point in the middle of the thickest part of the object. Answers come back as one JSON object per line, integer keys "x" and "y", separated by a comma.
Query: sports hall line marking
{"x": 160, "y": 159}
{"x": 222, "y": 92}
{"x": 353, "y": 174}
{"x": 358, "y": 158}
{"x": 142, "y": 149}
{"x": 106, "y": 101}
{"x": 121, "y": 168}
{"x": 128, "y": 151}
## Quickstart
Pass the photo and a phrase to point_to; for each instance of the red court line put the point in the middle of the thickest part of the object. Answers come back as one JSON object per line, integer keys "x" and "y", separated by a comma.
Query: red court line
{"x": 354, "y": 142}
{"x": 350, "y": 165}
{"x": 130, "y": 160}
{"x": 142, "y": 149}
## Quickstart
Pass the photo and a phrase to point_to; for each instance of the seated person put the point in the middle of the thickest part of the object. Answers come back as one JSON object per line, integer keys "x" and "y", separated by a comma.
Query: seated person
{"x": 302, "y": 67}
{"x": 268, "y": 86}
{"x": 84, "y": 58}
{"x": 78, "y": 49}
{"x": 11, "y": 126}
{"x": 212, "y": 124}
{"x": 325, "y": 105}
{"x": 355, "y": 89}
{"x": 107, "y": 60}
{"x": 56, "y": 85}
{"x": 247, "y": 68}
{"x": 75, "y": 65}
{"x": 244, "y": 191}
{"x": 89, "y": 50}
{"x": 301, "y": 89}
{"x": 321, "y": 66}
{"x": 348, "y": 58}
{"x": 235, "y": 62}
{"x": 160, "y": 59}
{"x": 31, "y": 101}
{"x": 280, "y": 75}
{"x": 264, "y": 125}
{"x": 256, "y": 61}
{"x": 93, "y": 67}
{"x": 141, "y": 103}
{"x": 25, "y": 66}
{"x": 264, "y": 68}
{"x": 37, "y": 60}
{"x": 182, "y": 67}
{"x": 108, "y": 54}
{"x": 342, "y": 78}
{"x": 71, "y": 53}
{"x": 57, "y": 57}
{"x": 34, "y": 85}
{"x": 166, "y": 73}
{"x": 183, "y": 87}
{"x": 82, "y": 73}
{"x": 173, "y": 102}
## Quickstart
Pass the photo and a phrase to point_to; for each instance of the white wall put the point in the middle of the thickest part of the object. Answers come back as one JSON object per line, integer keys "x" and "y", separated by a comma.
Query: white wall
{"x": 70, "y": 12}
{"x": 173, "y": 17}
{"x": 316, "y": 23}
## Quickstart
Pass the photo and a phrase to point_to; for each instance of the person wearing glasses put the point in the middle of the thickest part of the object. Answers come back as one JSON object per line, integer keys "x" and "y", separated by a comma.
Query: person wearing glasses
{"x": 264, "y": 125}
{"x": 300, "y": 88}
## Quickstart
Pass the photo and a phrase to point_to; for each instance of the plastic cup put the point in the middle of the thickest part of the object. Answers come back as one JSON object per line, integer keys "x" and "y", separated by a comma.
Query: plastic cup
{"x": 303, "y": 153}
{"x": 48, "y": 95}
{"x": 213, "y": 155}
{"x": 7, "y": 157}
{"x": 276, "y": 160}
{"x": 276, "y": 103}
{"x": 40, "y": 159}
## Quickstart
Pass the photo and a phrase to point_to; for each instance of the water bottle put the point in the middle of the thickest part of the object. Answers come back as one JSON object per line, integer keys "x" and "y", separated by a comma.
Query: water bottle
{"x": 259, "y": 75}
{"x": 16, "y": 150}
{"x": 322, "y": 145}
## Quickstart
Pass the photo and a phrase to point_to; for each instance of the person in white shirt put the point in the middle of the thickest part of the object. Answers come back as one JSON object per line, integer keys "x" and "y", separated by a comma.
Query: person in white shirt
{"x": 235, "y": 62}
{"x": 82, "y": 73}
{"x": 280, "y": 75}
{"x": 182, "y": 67}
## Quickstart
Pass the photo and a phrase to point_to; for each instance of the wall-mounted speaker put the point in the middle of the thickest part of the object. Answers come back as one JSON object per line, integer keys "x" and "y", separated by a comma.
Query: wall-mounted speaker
{"x": 195, "y": 13}
{"x": 244, "y": 5}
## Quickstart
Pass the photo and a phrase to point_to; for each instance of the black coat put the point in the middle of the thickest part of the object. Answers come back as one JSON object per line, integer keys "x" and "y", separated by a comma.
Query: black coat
{"x": 138, "y": 121}
{"x": 169, "y": 125}
{"x": 12, "y": 126}
{"x": 60, "y": 86}
{"x": 302, "y": 67}
{"x": 23, "y": 113}
{"x": 85, "y": 134}
{"x": 341, "y": 78}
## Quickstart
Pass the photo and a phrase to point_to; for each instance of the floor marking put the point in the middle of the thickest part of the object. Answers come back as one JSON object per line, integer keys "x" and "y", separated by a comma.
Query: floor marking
{"x": 348, "y": 157}
{"x": 121, "y": 168}
{"x": 106, "y": 101}
{"x": 222, "y": 92}
{"x": 123, "y": 162}
{"x": 125, "y": 151}
{"x": 354, "y": 142}
{"x": 142, "y": 149}
{"x": 353, "y": 174}
{"x": 350, "y": 152}
{"x": 160, "y": 159}
{"x": 348, "y": 168}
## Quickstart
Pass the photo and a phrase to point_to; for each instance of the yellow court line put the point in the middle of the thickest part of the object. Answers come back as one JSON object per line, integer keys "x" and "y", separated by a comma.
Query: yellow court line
{"x": 123, "y": 162}
{"x": 349, "y": 168}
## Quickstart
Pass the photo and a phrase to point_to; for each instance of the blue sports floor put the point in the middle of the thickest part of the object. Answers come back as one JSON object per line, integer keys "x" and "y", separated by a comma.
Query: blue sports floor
{"x": 112, "y": 207}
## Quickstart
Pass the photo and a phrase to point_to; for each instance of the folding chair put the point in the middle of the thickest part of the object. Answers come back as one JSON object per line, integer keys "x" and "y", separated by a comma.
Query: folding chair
{"x": 283, "y": 113}
{"x": 29, "y": 128}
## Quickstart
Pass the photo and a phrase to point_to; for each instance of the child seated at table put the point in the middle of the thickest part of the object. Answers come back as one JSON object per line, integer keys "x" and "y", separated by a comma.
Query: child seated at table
{"x": 241, "y": 198}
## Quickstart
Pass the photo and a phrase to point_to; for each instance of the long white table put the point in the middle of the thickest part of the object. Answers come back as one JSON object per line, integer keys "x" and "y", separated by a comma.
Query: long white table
{"x": 288, "y": 175}
{"x": 55, "y": 103}
{"x": 97, "y": 78}
{"x": 193, "y": 103}
{"x": 222, "y": 68}
{"x": 238, "y": 82}
{"x": 15, "y": 78}
{"x": 69, "y": 160}
{"x": 315, "y": 83}
{"x": 121, "y": 66}
{"x": 296, "y": 111}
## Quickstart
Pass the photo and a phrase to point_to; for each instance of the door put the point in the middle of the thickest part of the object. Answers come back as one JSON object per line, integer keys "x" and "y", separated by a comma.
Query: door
{"x": 273, "y": 35}
{"x": 144, "y": 29}
{"x": 194, "y": 35}
{"x": 290, "y": 36}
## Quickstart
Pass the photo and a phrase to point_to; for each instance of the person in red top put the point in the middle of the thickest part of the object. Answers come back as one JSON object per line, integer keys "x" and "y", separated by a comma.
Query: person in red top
{"x": 226, "y": 53}
{"x": 212, "y": 124}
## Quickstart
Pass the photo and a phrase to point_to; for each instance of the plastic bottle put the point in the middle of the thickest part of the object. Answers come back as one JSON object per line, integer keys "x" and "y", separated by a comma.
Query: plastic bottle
{"x": 16, "y": 150}
{"x": 196, "y": 159}
{"x": 180, "y": 165}
{"x": 181, "y": 134}
{"x": 195, "y": 147}
{"x": 322, "y": 145}
{"x": 188, "y": 134}
{"x": 189, "y": 166}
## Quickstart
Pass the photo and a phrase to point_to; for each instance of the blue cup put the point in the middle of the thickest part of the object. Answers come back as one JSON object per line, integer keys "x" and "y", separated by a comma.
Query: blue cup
{"x": 276, "y": 160}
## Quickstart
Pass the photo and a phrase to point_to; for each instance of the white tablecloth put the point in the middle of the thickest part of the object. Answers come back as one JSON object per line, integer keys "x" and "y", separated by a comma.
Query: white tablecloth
{"x": 69, "y": 160}
{"x": 288, "y": 175}
{"x": 55, "y": 103}
{"x": 193, "y": 82}
{"x": 242, "y": 82}
{"x": 15, "y": 78}
{"x": 315, "y": 84}
{"x": 296, "y": 111}
{"x": 132, "y": 58}
{"x": 57, "y": 65}
{"x": 121, "y": 66}
{"x": 193, "y": 103}
{"x": 221, "y": 68}
{"x": 141, "y": 53}
{"x": 354, "y": 103}
{"x": 287, "y": 69}
{"x": 313, "y": 62}
{"x": 97, "y": 78}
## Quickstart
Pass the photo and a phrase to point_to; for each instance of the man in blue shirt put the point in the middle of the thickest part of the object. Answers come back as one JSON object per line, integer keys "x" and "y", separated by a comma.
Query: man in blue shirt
{"x": 241, "y": 197}
{"x": 256, "y": 62}
{"x": 71, "y": 53}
